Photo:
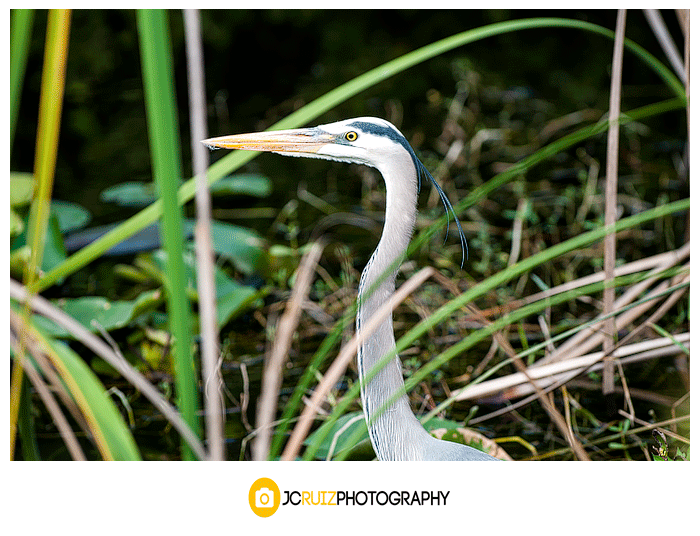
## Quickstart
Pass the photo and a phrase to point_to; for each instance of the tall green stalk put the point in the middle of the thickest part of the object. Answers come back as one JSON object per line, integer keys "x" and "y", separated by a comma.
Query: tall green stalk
{"x": 314, "y": 367}
{"x": 50, "y": 107}
{"x": 159, "y": 90}
{"x": 20, "y": 37}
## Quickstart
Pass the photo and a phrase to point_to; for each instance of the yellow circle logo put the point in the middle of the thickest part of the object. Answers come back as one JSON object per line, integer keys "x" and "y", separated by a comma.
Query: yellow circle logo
{"x": 264, "y": 497}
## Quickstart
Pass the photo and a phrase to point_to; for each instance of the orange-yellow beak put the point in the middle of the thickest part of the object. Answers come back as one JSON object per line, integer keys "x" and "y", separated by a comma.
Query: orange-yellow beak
{"x": 303, "y": 140}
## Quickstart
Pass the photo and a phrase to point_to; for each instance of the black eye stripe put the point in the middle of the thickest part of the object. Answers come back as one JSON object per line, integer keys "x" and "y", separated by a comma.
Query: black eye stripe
{"x": 421, "y": 171}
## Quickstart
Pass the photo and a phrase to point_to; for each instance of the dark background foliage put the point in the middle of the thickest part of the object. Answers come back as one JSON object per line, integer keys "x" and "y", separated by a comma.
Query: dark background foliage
{"x": 260, "y": 65}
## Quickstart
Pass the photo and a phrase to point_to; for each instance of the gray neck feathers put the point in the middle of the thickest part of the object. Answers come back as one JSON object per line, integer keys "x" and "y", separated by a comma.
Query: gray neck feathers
{"x": 393, "y": 433}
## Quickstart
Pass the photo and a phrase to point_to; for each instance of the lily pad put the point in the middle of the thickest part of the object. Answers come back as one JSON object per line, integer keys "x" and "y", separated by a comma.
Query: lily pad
{"x": 54, "y": 252}
{"x": 70, "y": 216}
{"x": 246, "y": 184}
{"x": 245, "y": 248}
{"x": 130, "y": 194}
{"x": 107, "y": 314}
{"x": 232, "y": 298}
{"x": 233, "y": 302}
{"x": 18, "y": 260}
{"x": 242, "y": 246}
{"x": 141, "y": 194}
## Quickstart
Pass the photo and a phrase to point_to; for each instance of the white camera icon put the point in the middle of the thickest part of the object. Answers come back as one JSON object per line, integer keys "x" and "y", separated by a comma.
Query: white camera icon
{"x": 264, "y": 498}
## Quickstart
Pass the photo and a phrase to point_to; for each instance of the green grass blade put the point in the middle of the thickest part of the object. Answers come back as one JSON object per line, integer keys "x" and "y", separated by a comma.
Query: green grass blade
{"x": 113, "y": 437}
{"x": 661, "y": 331}
{"x": 326, "y": 102}
{"x": 107, "y": 427}
{"x": 111, "y": 433}
{"x": 159, "y": 90}
{"x": 329, "y": 342}
{"x": 27, "y": 426}
{"x": 50, "y": 107}
{"x": 20, "y": 37}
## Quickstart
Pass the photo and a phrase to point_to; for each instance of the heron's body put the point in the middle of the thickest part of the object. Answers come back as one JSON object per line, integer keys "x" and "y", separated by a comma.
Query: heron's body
{"x": 395, "y": 433}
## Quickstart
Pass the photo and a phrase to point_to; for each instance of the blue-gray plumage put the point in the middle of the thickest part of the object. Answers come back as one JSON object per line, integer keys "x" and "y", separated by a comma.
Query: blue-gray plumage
{"x": 396, "y": 434}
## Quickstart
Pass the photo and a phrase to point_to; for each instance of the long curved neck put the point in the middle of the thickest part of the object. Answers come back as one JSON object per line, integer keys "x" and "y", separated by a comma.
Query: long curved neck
{"x": 394, "y": 433}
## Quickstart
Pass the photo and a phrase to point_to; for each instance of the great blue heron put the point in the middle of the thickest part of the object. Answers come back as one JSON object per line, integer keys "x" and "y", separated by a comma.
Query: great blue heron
{"x": 396, "y": 434}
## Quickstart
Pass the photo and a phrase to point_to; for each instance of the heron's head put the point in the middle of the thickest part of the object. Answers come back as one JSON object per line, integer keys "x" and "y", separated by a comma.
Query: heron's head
{"x": 365, "y": 140}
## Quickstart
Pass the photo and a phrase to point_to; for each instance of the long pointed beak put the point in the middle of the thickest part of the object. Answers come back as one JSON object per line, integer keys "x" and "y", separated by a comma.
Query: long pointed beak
{"x": 302, "y": 140}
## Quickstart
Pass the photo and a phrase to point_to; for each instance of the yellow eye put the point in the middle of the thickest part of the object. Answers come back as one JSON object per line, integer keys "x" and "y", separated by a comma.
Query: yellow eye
{"x": 351, "y": 136}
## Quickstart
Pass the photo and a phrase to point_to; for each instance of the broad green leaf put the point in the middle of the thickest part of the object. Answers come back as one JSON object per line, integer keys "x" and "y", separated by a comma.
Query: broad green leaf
{"x": 146, "y": 301}
{"x": 21, "y": 192}
{"x": 95, "y": 311}
{"x": 54, "y": 252}
{"x": 243, "y": 247}
{"x": 436, "y": 422}
{"x": 233, "y": 302}
{"x": 16, "y": 223}
{"x": 21, "y": 188}
{"x": 454, "y": 436}
{"x": 248, "y": 184}
{"x": 232, "y": 297}
{"x": 70, "y": 216}
{"x": 130, "y": 194}
{"x": 147, "y": 239}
